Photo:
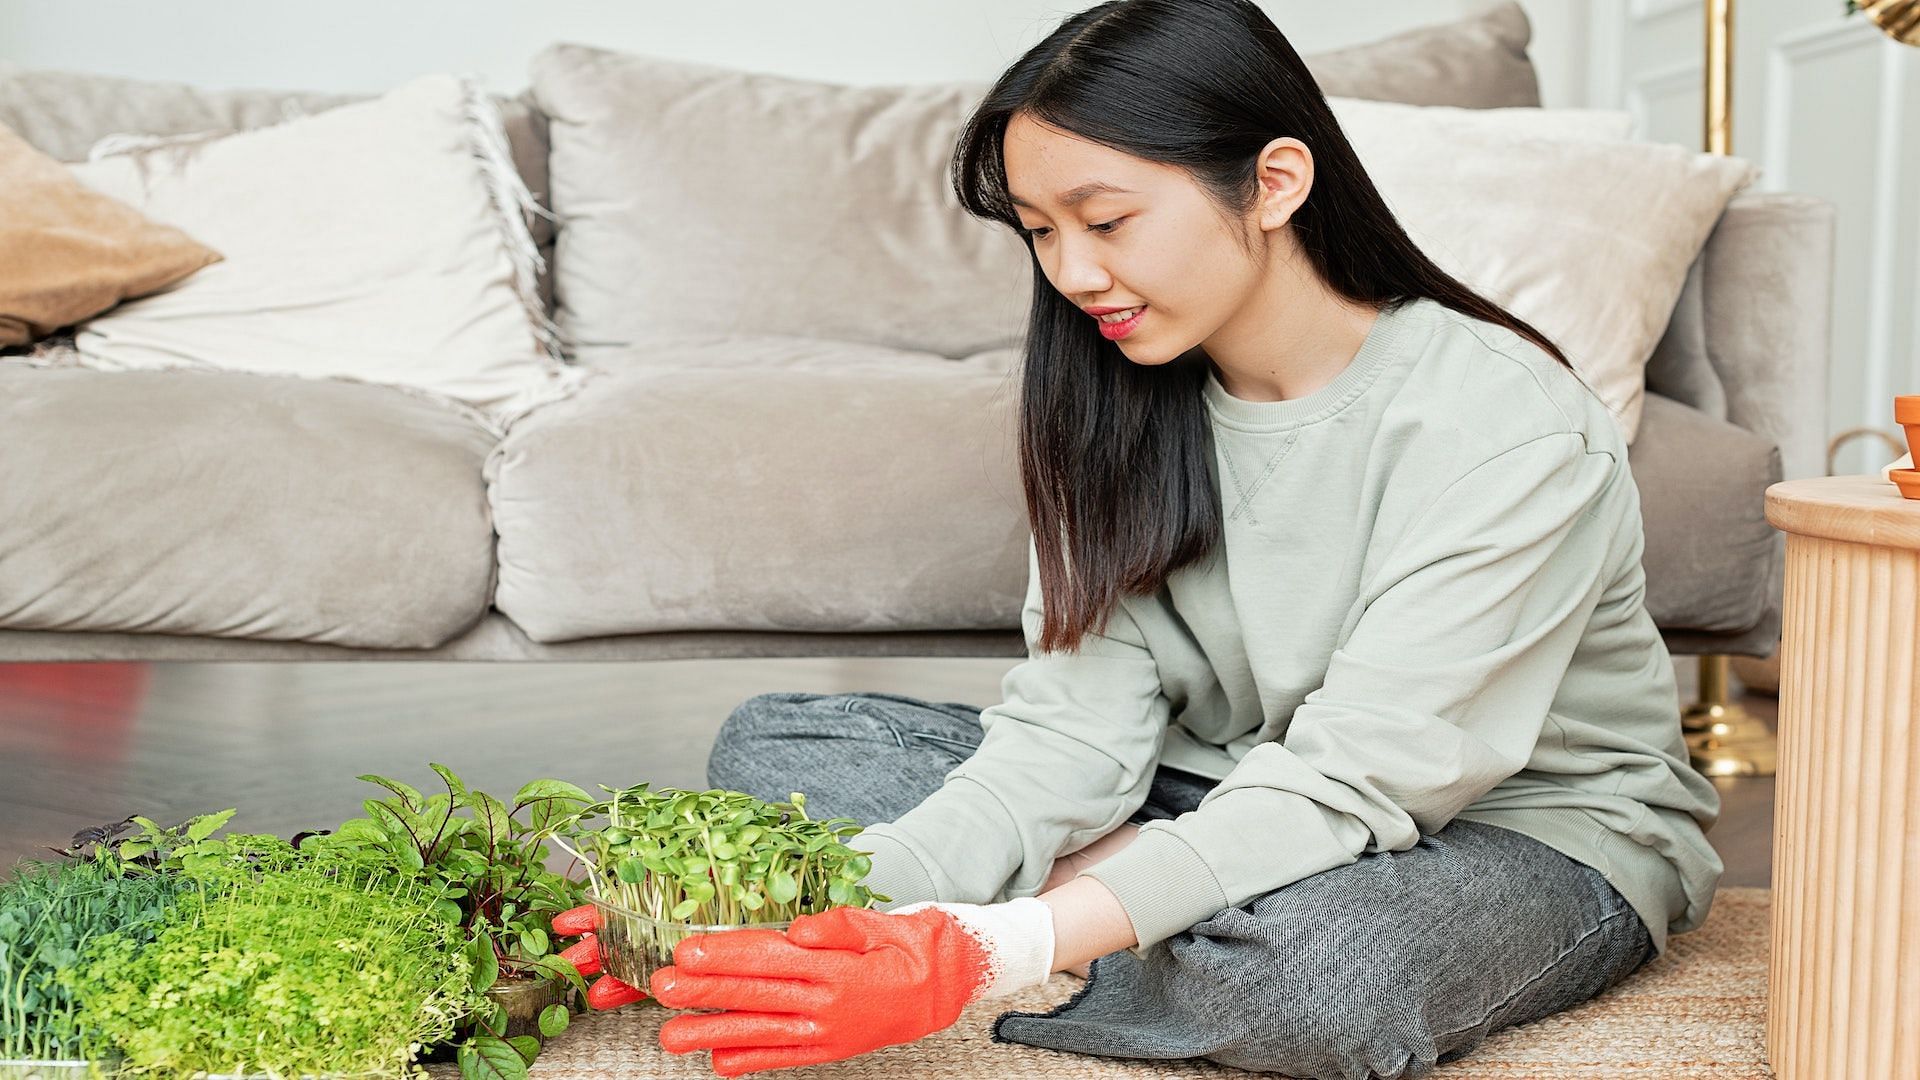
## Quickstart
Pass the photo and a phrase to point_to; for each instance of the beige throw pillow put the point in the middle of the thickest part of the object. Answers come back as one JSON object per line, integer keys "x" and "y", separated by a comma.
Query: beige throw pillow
{"x": 381, "y": 241}
{"x": 1585, "y": 235}
{"x": 68, "y": 252}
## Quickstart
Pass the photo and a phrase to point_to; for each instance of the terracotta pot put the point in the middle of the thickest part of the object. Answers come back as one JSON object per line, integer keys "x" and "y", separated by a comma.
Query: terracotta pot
{"x": 1906, "y": 413}
{"x": 1908, "y": 481}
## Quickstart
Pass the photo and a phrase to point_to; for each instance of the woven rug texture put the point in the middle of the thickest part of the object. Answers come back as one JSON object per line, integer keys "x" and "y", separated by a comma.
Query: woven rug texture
{"x": 1697, "y": 1013}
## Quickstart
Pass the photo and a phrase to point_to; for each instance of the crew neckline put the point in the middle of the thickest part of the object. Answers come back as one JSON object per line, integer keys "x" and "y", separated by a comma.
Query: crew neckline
{"x": 1383, "y": 339}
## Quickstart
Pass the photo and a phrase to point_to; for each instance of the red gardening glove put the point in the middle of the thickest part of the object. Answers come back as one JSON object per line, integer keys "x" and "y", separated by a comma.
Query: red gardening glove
{"x": 606, "y": 992}
{"x": 836, "y": 984}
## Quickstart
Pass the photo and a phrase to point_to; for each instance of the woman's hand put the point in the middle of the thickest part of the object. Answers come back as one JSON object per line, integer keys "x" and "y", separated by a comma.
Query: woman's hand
{"x": 847, "y": 981}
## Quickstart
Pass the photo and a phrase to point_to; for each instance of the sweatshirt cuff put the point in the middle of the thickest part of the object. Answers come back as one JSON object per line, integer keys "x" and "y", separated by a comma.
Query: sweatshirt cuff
{"x": 1164, "y": 885}
{"x": 897, "y": 872}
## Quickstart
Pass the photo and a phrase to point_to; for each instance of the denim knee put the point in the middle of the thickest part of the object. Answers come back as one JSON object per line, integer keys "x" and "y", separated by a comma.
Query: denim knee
{"x": 1305, "y": 1012}
{"x": 745, "y": 751}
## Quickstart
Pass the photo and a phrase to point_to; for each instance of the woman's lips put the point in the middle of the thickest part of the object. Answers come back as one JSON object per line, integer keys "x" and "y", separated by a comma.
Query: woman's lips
{"x": 1115, "y": 331}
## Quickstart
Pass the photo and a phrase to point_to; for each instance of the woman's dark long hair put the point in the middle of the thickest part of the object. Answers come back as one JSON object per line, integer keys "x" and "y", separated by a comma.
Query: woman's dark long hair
{"x": 1114, "y": 456}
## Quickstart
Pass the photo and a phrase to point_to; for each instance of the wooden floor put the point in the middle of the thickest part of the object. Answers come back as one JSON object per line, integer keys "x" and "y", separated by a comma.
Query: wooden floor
{"x": 83, "y": 744}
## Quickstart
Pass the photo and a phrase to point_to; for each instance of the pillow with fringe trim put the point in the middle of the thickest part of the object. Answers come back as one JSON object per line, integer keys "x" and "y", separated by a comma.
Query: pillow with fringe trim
{"x": 383, "y": 242}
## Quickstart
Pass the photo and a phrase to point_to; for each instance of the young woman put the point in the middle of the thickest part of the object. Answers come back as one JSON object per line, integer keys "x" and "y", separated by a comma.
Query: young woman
{"x": 1345, "y": 737}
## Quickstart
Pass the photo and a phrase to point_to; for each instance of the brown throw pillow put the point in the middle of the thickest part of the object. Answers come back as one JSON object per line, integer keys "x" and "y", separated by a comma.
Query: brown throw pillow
{"x": 68, "y": 253}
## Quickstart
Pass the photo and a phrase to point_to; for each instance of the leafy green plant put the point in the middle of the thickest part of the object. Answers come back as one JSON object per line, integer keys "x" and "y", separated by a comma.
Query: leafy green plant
{"x": 191, "y": 848}
{"x": 681, "y": 859}
{"x": 310, "y": 966}
{"x": 487, "y": 860}
{"x": 49, "y": 915}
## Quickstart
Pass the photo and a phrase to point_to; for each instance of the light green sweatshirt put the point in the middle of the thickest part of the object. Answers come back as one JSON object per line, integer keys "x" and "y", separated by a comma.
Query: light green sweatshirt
{"x": 1429, "y": 604}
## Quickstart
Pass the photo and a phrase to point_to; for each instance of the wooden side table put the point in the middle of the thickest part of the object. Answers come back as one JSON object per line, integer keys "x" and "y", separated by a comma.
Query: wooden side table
{"x": 1844, "y": 998}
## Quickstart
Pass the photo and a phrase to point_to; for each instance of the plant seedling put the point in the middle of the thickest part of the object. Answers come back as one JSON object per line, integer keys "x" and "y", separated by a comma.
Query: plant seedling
{"x": 685, "y": 862}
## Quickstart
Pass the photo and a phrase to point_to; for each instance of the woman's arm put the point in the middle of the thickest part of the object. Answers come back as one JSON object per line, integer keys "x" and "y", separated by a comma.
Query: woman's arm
{"x": 1088, "y": 920}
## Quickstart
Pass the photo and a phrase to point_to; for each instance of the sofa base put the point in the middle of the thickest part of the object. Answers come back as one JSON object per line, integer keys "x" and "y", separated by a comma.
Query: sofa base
{"x": 496, "y": 638}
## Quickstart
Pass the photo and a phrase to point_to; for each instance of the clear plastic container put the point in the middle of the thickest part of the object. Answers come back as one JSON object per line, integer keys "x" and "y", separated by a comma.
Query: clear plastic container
{"x": 633, "y": 946}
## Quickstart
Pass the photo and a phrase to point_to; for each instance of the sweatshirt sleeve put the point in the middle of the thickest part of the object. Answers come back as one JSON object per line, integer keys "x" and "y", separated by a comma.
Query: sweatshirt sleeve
{"x": 1067, "y": 755}
{"x": 1438, "y": 694}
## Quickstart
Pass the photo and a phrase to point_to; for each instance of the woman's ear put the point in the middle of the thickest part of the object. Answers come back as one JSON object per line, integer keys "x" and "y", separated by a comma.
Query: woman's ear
{"x": 1285, "y": 170}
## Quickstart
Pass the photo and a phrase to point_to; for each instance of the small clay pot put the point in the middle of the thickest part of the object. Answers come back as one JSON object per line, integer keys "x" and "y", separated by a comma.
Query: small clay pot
{"x": 1908, "y": 481}
{"x": 1906, "y": 413}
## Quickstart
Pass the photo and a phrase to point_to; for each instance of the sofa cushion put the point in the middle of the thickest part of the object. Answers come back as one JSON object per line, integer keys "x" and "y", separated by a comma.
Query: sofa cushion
{"x": 1594, "y": 236}
{"x": 333, "y": 268}
{"x": 239, "y": 505}
{"x": 845, "y": 227}
{"x": 872, "y": 493}
{"x": 1709, "y": 550}
{"x": 1478, "y": 62}
{"x": 64, "y": 113}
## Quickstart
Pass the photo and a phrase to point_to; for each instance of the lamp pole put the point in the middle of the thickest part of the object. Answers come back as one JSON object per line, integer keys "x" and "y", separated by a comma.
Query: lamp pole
{"x": 1723, "y": 739}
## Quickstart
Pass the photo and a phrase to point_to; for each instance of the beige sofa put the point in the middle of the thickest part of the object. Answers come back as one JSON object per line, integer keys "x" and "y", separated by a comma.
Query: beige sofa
{"x": 762, "y": 495}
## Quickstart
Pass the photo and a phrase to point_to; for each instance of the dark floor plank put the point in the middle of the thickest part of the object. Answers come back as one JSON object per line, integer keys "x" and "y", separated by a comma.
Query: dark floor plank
{"x": 82, "y": 744}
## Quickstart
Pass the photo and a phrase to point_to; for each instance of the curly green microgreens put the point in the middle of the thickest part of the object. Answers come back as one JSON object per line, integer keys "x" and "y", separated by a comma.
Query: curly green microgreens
{"x": 49, "y": 914}
{"x": 306, "y": 968}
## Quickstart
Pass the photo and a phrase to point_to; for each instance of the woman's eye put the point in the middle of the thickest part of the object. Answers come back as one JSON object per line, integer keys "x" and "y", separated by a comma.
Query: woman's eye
{"x": 1102, "y": 228}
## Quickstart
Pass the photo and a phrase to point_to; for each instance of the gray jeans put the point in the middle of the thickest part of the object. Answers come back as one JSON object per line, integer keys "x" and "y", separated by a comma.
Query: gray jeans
{"x": 1382, "y": 968}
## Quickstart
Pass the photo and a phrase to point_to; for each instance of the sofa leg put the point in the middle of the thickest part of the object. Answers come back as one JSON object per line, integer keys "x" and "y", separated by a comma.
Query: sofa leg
{"x": 1723, "y": 739}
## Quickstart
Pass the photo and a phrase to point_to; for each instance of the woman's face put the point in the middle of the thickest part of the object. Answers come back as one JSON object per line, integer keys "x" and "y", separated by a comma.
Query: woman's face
{"x": 1158, "y": 241}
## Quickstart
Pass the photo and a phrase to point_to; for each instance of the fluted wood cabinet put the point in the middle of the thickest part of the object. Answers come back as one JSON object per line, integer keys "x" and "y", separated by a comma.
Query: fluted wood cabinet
{"x": 1844, "y": 975}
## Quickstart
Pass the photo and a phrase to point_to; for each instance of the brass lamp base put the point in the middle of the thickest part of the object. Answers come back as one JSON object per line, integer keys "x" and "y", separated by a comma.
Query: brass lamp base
{"x": 1723, "y": 739}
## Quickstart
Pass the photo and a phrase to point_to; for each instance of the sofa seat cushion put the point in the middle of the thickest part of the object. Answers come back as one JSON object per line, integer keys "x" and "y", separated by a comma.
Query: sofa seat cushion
{"x": 875, "y": 493}
{"x": 1712, "y": 559}
{"x": 239, "y": 505}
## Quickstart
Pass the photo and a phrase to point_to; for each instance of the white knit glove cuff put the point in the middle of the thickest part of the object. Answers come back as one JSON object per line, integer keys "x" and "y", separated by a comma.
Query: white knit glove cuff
{"x": 1017, "y": 937}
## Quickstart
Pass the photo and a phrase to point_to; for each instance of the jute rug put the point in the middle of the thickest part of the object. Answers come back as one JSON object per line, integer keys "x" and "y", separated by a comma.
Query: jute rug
{"x": 1698, "y": 1012}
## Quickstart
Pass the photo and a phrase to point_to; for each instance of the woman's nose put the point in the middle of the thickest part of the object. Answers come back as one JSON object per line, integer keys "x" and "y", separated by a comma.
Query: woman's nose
{"x": 1078, "y": 273}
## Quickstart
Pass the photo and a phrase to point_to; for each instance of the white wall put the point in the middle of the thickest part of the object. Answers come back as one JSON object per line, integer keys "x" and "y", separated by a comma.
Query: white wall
{"x": 372, "y": 45}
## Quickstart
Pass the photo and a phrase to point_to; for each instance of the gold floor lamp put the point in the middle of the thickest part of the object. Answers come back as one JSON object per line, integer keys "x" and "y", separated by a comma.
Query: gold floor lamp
{"x": 1723, "y": 739}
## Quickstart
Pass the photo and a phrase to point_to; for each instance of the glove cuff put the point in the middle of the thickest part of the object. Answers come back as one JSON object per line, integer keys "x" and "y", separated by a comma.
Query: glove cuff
{"x": 1016, "y": 936}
